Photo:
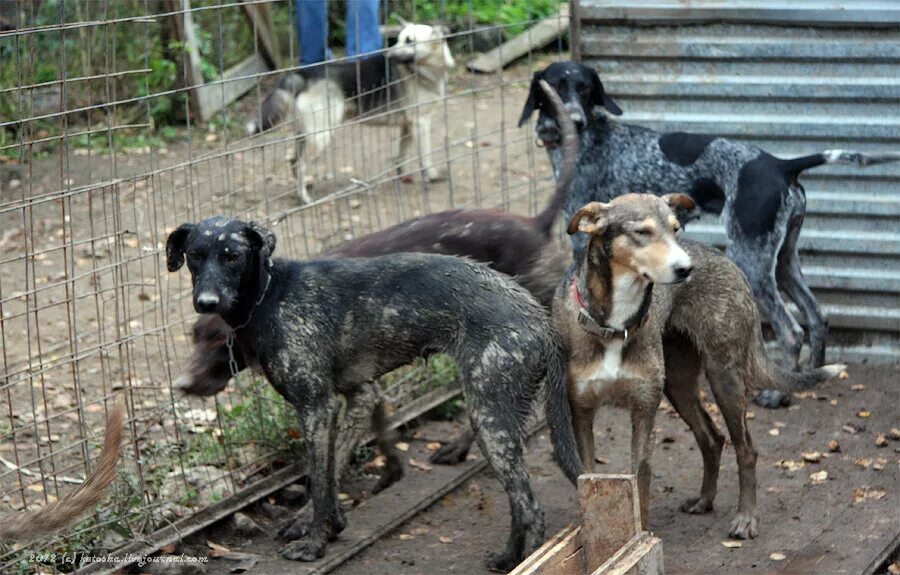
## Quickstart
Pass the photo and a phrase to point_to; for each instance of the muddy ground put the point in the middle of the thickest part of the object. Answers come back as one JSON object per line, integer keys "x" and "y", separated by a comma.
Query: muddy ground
{"x": 837, "y": 525}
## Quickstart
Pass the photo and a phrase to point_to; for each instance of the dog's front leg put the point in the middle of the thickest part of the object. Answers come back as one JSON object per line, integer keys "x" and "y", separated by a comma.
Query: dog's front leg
{"x": 642, "y": 419}
{"x": 317, "y": 413}
{"x": 423, "y": 136}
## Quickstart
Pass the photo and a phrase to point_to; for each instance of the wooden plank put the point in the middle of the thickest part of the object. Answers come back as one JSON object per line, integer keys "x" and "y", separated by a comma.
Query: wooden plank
{"x": 575, "y": 30}
{"x": 184, "y": 31}
{"x": 559, "y": 554}
{"x": 535, "y": 37}
{"x": 642, "y": 555}
{"x": 261, "y": 19}
{"x": 237, "y": 80}
{"x": 610, "y": 515}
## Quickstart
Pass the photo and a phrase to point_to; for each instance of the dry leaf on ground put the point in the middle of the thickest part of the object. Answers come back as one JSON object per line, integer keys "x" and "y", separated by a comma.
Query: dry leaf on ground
{"x": 443, "y": 539}
{"x": 216, "y": 550}
{"x": 863, "y": 462}
{"x": 881, "y": 440}
{"x": 402, "y": 446}
{"x": 413, "y": 462}
{"x": 790, "y": 464}
{"x": 857, "y": 387}
{"x": 776, "y": 556}
{"x": 861, "y": 494}
{"x": 732, "y": 544}
{"x": 433, "y": 445}
{"x": 834, "y": 446}
{"x": 818, "y": 477}
{"x": 812, "y": 456}
{"x": 774, "y": 431}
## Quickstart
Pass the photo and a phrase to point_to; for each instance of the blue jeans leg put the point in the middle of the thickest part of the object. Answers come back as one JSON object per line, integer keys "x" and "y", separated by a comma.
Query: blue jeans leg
{"x": 363, "y": 31}
{"x": 312, "y": 26}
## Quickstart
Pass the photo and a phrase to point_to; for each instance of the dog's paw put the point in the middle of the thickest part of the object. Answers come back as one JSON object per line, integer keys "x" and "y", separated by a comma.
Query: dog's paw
{"x": 697, "y": 505}
{"x": 772, "y": 399}
{"x": 297, "y": 525}
{"x": 391, "y": 475}
{"x": 306, "y": 549}
{"x": 501, "y": 562}
{"x": 452, "y": 453}
{"x": 743, "y": 527}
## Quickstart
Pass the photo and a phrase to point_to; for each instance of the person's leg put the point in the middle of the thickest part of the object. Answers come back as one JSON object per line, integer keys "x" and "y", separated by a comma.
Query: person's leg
{"x": 312, "y": 26}
{"x": 363, "y": 26}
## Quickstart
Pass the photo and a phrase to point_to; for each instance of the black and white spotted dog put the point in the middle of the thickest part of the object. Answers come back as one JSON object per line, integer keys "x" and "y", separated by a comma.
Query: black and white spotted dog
{"x": 326, "y": 327}
{"x": 396, "y": 88}
{"x": 758, "y": 195}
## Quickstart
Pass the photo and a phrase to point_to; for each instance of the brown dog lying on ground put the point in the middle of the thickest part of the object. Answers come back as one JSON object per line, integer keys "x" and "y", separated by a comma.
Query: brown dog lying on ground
{"x": 518, "y": 246}
{"x": 26, "y": 525}
{"x": 643, "y": 315}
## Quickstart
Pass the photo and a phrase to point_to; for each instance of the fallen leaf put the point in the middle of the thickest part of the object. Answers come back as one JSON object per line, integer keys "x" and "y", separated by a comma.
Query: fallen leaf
{"x": 863, "y": 413}
{"x": 750, "y": 415}
{"x": 812, "y": 456}
{"x": 377, "y": 463}
{"x": 777, "y": 556}
{"x": 834, "y": 446}
{"x": 833, "y": 403}
{"x": 413, "y": 462}
{"x": 774, "y": 431}
{"x": 861, "y": 494}
{"x": 406, "y": 536}
{"x": 863, "y": 462}
{"x": 851, "y": 428}
{"x": 843, "y": 374}
{"x": 216, "y": 550}
{"x": 895, "y": 434}
{"x": 818, "y": 477}
{"x": 805, "y": 394}
{"x": 780, "y": 424}
{"x": 402, "y": 446}
{"x": 857, "y": 387}
{"x": 443, "y": 539}
{"x": 790, "y": 464}
{"x": 601, "y": 460}
{"x": 731, "y": 544}
{"x": 168, "y": 549}
{"x": 881, "y": 440}
{"x": 433, "y": 445}
{"x": 420, "y": 531}
{"x": 879, "y": 464}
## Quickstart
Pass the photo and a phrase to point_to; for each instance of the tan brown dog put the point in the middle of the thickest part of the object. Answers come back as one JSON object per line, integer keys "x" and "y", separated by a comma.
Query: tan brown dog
{"x": 26, "y": 525}
{"x": 643, "y": 315}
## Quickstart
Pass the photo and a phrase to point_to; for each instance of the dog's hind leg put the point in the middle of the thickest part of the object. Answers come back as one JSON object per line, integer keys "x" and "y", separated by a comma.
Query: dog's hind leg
{"x": 357, "y": 420}
{"x": 423, "y": 137}
{"x": 729, "y": 392}
{"x": 759, "y": 267}
{"x": 300, "y": 169}
{"x": 393, "y": 466}
{"x": 682, "y": 388}
{"x": 791, "y": 280}
{"x": 456, "y": 451}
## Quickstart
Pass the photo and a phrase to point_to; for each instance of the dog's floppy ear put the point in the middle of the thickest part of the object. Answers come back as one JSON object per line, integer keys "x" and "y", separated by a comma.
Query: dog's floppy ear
{"x": 684, "y": 207}
{"x": 534, "y": 98}
{"x": 175, "y": 247}
{"x": 601, "y": 98}
{"x": 261, "y": 239}
{"x": 402, "y": 20}
{"x": 591, "y": 219}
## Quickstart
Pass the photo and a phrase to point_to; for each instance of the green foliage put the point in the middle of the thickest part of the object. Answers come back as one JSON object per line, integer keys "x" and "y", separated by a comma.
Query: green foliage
{"x": 463, "y": 14}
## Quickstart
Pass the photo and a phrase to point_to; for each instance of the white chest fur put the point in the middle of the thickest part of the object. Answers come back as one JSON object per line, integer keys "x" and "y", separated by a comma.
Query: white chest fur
{"x": 604, "y": 372}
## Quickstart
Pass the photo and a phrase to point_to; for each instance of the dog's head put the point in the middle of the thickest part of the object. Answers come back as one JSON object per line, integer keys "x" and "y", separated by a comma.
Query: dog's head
{"x": 580, "y": 89}
{"x": 228, "y": 260}
{"x": 423, "y": 44}
{"x": 208, "y": 371}
{"x": 637, "y": 232}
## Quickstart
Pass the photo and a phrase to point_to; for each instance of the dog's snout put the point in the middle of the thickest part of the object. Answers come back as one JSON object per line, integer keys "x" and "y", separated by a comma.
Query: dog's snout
{"x": 206, "y": 302}
{"x": 682, "y": 272}
{"x": 576, "y": 112}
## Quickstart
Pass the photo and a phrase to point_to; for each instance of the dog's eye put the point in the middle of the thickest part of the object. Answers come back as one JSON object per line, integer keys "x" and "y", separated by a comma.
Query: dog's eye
{"x": 194, "y": 256}
{"x": 232, "y": 257}
{"x": 643, "y": 233}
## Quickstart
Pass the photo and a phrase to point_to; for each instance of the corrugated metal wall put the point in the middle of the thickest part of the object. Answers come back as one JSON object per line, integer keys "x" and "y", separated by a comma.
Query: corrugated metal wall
{"x": 793, "y": 77}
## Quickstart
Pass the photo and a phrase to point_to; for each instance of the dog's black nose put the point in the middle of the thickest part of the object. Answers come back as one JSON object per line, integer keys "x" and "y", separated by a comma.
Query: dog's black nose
{"x": 682, "y": 272}
{"x": 206, "y": 303}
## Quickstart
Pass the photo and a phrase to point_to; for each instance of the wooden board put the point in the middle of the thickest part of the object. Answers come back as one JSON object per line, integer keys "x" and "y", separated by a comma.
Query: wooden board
{"x": 561, "y": 554}
{"x": 610, "y": 515}
{"x": 535, "y": 37}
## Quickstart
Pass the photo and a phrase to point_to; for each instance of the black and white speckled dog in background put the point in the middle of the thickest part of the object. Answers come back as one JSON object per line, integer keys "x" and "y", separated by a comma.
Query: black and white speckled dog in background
{"x": 758, "y": 195}
{"x": 326, "y": 327}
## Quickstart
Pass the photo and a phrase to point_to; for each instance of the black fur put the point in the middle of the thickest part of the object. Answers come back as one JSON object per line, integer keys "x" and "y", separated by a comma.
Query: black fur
{"x": 327, "y": 327}
{"x": 682, "y": 148}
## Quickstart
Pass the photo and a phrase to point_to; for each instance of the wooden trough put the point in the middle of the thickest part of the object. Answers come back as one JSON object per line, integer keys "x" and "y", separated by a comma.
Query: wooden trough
{"x": 609, "y": 540}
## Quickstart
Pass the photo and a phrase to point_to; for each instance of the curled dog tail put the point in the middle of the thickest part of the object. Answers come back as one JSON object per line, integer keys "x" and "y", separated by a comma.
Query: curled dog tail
{"x": 25, "y": 525}
{"x": 793, "y": 167}
{"x": 544, "y": 220}
{"x": 278, "y": 104}
{"x": 559, "y": 416}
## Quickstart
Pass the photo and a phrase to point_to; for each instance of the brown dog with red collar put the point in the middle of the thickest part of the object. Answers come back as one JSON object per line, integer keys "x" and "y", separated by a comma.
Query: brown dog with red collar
{"x": 642, "y": 315}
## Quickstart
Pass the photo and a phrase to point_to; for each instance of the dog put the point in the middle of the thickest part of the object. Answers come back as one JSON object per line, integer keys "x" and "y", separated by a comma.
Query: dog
{"x": 26, "y": 525}
{"x": 759, "y": 195}
{"x": 326, "y": 327}
{"x": 642, "y": 315}
{"x": 523, "y": 248}
{"x": 395, "y": 88}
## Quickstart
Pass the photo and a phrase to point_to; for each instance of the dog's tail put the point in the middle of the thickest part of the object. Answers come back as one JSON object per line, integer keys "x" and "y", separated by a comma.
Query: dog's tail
{"x": 544, "y": 220}
{"x": 770, "y": 375}
{"x": 26, "y": 525}
{"x": 793, "y": 167}
{"x": 278, "y": 104}
{"x": 559, "y": 416}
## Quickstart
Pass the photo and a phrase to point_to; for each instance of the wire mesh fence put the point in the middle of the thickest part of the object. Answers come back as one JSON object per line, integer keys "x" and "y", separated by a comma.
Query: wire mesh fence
{"x": 104, "y": 150}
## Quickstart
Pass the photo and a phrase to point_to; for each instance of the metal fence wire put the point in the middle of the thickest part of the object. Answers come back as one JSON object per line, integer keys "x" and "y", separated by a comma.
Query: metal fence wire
{"x": 104, "y": 150}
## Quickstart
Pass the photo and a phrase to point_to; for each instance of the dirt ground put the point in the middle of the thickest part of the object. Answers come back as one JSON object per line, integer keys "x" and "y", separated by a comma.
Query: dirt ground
{"x": 834, "y": 526}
